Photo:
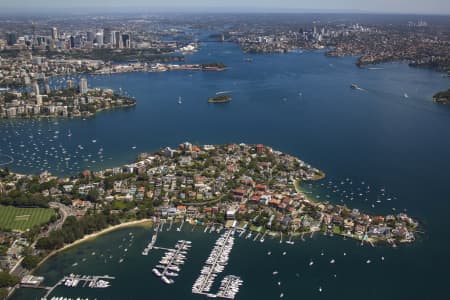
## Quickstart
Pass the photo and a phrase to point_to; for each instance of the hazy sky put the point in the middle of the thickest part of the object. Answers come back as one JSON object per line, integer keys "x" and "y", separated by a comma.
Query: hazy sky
{"x": 389, "y": 6}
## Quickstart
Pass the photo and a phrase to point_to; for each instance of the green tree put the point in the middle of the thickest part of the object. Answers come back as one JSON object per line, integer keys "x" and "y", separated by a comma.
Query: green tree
{"x": 30, "y": 262}
{"x": 7, "y": 280}
{"x": 3, "y": 293}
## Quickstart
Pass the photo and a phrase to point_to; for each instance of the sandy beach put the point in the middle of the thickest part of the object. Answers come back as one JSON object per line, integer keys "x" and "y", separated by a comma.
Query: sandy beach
{"x": 94, "y": 235}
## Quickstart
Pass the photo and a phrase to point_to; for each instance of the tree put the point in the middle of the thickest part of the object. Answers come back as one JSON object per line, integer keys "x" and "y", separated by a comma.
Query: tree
{"x": 3, "y": 293}
{"x": 7, "y": 280}
{"x": 30, "y": 262}
{"x": 92, "y": 196}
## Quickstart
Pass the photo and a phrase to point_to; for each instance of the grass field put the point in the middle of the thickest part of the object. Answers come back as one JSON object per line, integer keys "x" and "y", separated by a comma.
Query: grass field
{"x": 23, "y": 218}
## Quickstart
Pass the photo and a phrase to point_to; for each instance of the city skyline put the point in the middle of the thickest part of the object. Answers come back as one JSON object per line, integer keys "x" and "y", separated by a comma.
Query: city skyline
{"x": 441, "y": 7}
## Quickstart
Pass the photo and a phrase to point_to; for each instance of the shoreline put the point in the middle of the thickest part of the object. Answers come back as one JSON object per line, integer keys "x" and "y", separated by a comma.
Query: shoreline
{"x": 90, "y": 237}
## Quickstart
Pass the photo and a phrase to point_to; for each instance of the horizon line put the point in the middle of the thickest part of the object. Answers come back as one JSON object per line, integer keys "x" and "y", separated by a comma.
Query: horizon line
{"x": 7, "y": 11}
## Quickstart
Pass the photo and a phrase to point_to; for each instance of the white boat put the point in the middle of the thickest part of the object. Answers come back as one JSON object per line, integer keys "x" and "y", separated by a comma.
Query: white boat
{"x": 332, "y": 261}
{"x": 311, "y": 263}
{"x": 156, "y": 272}
{"x": 274, "y": 272}
{"x": 405, "y": 95}
{"x": 179, "y": 100}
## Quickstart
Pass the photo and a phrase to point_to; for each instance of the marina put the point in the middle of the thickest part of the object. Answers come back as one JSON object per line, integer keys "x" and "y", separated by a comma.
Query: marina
{"x": 170, "y": 263}
{"x": 215, "y": 264}
{"x": 76, "y": 281}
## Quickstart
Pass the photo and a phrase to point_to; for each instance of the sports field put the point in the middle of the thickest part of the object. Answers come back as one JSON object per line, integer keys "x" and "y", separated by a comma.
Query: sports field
{"x": 23, "y": 218}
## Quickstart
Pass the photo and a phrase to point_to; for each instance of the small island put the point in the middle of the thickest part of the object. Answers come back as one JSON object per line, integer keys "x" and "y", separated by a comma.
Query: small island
{"x": 222, "y": 98}
{"x": 442, "y": 97}
{"x": 69, "y": 102}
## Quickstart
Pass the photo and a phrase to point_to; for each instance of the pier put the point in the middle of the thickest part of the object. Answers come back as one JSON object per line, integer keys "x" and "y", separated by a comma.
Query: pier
{"x": 73, "y": 280}
{"x": 151, "y": 245}
{"x": 172, "y": 259}
{"x": 215, "y": 264}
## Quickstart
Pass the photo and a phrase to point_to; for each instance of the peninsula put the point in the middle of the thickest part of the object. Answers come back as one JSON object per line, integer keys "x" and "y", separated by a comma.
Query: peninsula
{"x": 442, "y": 97}
{"x": 69, "y": 102}
{"x": 248, "y": 187}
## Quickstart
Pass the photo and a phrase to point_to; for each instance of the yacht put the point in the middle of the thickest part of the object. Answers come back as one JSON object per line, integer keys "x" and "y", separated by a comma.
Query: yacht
{"x": 179, "y": 100}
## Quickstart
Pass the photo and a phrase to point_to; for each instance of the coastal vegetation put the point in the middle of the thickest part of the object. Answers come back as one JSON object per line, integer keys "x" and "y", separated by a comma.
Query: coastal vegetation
{"x": 74, "y": 229}
{"x": 442, "y": 97}
{"x": 222, "y": 98}
{"x": 7, "y": 280}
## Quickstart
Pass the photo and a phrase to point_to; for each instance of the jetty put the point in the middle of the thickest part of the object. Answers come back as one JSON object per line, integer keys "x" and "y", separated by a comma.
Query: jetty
{"x": 170, "y": 263}
{"x": 74, "y": 280}
{"x": 214, "y": 265}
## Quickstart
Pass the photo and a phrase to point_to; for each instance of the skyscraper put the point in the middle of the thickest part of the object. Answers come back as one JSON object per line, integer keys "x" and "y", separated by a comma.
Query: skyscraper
{"x": 83, "y": 86}
{"x": 12, "y": 38}
{"x": 36, "y": 88}
{"x": 107, "y": 36}
{"x": 90, "y": 36}
{"x": 99, "y": 38}
{"x": 118, "y": 40}
{"x": 126, "y": 40}
{"x": 54, "y": 33}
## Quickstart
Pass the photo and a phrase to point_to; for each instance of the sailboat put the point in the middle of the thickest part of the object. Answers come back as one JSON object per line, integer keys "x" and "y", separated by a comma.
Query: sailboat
{"x": 179, "y": 100}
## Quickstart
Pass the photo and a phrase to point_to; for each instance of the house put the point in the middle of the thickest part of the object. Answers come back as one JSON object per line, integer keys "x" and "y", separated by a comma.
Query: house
{"x": 77, "y": 203}
{"x": 261, "y": 187}
{"x": 238, "y": 194}
{"x": 181, "y": 209}
{"x": 231, "y": 214}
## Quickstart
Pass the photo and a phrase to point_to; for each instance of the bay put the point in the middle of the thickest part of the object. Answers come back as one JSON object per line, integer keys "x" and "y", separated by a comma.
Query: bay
{"x": 375, "y": 136}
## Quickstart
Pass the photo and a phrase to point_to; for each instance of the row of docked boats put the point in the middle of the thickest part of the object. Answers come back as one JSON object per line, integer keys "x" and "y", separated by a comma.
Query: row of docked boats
{"x": 229, "y": 286}
{"x": 65, "y": 298}
{"x": 170, "y": 263}
{"x": 214, "y": 265}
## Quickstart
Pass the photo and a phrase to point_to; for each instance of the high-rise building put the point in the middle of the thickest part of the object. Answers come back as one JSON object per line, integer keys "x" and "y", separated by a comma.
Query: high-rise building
{"x": 126, "y": 40}
{"x": 11, "y": 38}
{"x": 36, "y": 88}
{"x": 90, "y": 36}
{"x": 83, "y": 86}
{"x": 107, "y": 36}
{"x": 55, "y": 33}
{"x": 118, "y": 40}
{"x": 99, "y": 38}
{"x": 39, "y": 100}
{"x": 47, "y": 88}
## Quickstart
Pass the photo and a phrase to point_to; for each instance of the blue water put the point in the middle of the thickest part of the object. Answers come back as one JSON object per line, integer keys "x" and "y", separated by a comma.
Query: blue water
{"x": 376, "y": 136}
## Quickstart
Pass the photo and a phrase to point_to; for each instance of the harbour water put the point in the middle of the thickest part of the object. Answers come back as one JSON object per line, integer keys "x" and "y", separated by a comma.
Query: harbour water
{"x": 299, "y": 103}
